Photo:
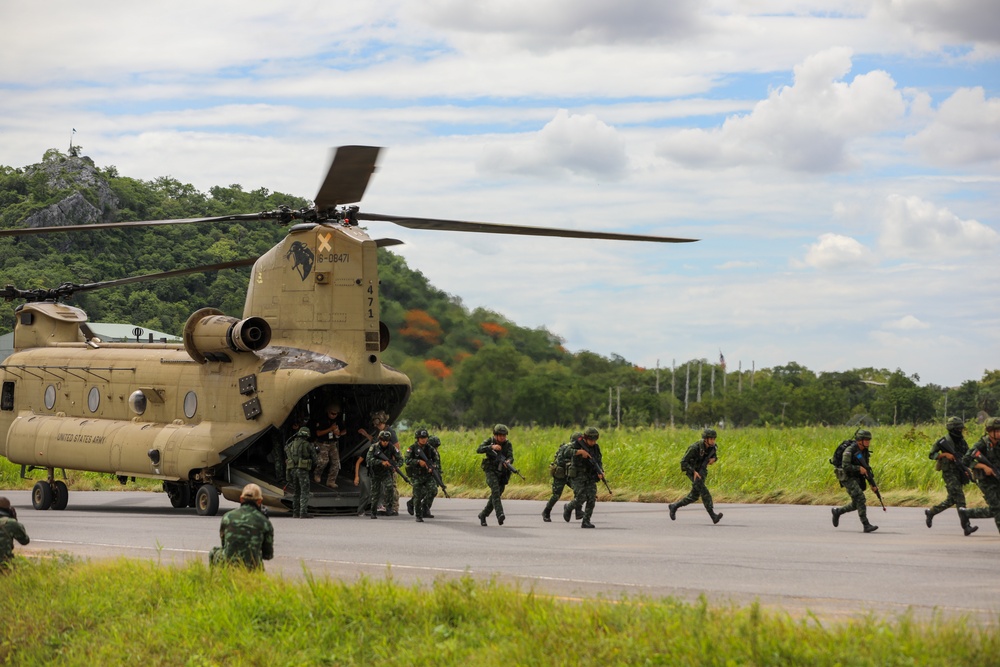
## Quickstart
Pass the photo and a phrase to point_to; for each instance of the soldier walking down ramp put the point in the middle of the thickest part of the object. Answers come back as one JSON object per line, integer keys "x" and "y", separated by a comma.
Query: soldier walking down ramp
{"x": 300, "y": 455}
{"x": 695, "y": 464}
{"x": 383, "y": 460}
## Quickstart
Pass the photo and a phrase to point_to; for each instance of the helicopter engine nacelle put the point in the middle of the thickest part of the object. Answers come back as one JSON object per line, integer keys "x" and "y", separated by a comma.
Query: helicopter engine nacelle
{"x": 210, "y": 335}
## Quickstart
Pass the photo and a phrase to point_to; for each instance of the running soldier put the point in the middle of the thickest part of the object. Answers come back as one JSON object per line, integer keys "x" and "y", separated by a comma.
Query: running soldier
{"x": 984, "y": 460}
{"x": 246, "y": 533}
{"x": 949, "y": 453}
{"x": 695, "y": 464}
{"x": 299, "y": 458}
{"x": 497, "y": 466}
{"x": 586, "y": 468}
{"x": 855, "y": 469}
{"x": 558, "y": 467}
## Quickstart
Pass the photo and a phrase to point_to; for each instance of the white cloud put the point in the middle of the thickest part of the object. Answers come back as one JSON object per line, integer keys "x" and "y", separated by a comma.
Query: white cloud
{"x": 912, "y": 227}
{"x": 964, "y": 131}
{"x": 958, "y": 22}
{"x": 569, "y": 143}
{"x": 833, "y": 251}
{"x": 808, "y": 126}
{"x": 907, "y": 323}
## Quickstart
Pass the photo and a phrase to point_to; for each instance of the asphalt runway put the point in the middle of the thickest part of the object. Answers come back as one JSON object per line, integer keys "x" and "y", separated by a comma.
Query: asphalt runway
{"x": 787, "y": 557}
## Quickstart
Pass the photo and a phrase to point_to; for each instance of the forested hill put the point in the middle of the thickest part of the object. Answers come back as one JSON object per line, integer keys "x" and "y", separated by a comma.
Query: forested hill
{"x": 468, "y": 368}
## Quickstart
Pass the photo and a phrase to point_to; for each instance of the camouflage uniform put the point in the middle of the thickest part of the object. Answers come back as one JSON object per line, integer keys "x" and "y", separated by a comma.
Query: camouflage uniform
{"x": 422, "y": 479}
{"x": 10, "y": 529}
{"x": 327, "y": 449}
{"x": 697, "y": 459}
{"x": 247, "y": 538}
{"x": 300, "y": 455}
{"x": 583, "y": 478}
{"x": 986, "y": 451}
{"x": 497, "y": 476}
{"x": 558, "y": 469}
{"x": 953, "y": 474}
{"x": 380, "y": 474}
{"x": 850, "y": 478}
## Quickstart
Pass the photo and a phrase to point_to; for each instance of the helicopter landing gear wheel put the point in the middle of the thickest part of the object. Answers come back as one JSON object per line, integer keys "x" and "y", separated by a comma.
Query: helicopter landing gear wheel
{"x": 206, "y": 501}
{"x": 179, "y": 494}
{"x": 41, "y": 496}
{"x": 60, "y": 495}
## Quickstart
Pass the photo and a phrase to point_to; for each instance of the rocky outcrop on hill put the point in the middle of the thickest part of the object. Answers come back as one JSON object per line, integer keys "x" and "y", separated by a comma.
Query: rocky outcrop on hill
{"x": 88, "y": 197}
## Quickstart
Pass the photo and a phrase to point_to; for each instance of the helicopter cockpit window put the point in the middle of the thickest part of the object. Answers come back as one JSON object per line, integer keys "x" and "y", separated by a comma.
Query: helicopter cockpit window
{"x": 137, "y": 401}
{"x": 190, "y": 404}
{"x": 94, "y": 399}
{"x": 50, "y": 397}
{"x": 7, "y": 397}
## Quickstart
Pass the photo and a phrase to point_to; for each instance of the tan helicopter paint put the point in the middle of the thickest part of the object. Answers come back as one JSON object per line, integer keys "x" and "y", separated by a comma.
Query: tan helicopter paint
{"x": 324, "y": 324}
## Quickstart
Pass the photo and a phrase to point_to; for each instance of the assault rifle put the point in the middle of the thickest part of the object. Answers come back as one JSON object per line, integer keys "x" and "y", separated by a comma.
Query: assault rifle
{"x": 874, "y": 485}
{"x": 502, "y": 463}
{"x": 962, "y": 468}
{"x": 381, "y": 455}
{"x": 979, "y": 459}
{"x": 434, "y": 471}
{"x": 600, "y": 471}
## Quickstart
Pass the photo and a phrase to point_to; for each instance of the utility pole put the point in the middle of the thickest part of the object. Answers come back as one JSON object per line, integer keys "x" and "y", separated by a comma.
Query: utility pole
{"x": 687, "y": 387}
{"x": 673, "y": 389}
{"x": 699, "y": 381}
{"x": 657, "y": 393}
{"x": 619, "y": 425}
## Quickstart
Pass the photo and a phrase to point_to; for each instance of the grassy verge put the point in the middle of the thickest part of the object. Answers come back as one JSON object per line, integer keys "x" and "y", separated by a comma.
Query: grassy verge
{"x": 136, "y": 612}
{"x": 756, "y": 465}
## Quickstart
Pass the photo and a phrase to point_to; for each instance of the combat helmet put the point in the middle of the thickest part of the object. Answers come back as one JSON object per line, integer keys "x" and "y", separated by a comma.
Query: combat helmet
{"x": 422, "y": 433}
{"x": 862, "y": 434}
{"x": 709, "y": 433}
{"x": 591, "y": 432}
{"x": 500, "y": 429}
{"x": 385, "y": 435}
{"x": 954, "y": 424}
{"x": 993, "y": 424}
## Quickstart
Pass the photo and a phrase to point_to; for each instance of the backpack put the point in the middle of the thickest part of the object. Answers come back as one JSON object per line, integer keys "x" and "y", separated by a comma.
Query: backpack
{"x": 838, "y": 454}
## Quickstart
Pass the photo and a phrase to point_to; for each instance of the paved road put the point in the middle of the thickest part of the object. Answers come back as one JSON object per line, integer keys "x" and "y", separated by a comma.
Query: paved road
{"x": 785, "y": 556}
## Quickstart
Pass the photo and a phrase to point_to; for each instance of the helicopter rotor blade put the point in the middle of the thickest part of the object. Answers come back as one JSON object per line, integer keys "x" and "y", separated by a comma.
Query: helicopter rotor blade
{"x": 522, "y": 230}
{"x": 351, "y": 167}
{"x": 68, "y": 289}
{"x": 27, "y": 231}
{"x": 385, "y": 243}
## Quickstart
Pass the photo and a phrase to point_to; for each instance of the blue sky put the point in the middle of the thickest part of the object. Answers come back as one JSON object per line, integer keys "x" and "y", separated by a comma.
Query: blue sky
{"x": 839, "y": 159}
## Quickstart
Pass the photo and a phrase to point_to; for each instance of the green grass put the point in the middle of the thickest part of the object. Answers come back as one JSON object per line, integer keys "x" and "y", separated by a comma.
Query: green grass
{"x": 756, "y": 465}
{"x": 139, "y": 613}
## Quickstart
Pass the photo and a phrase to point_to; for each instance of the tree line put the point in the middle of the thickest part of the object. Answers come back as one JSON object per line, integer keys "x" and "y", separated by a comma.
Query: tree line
{"x": 468, "y": 367}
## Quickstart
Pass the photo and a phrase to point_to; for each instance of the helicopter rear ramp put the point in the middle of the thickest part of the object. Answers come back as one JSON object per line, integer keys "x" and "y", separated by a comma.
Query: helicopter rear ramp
{"x": 345, "y": 499}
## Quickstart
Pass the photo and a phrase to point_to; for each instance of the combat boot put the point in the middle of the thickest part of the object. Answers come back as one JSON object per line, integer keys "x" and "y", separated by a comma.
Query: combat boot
{"x": 929, "y": 518}
{"x": 836, "y": 516}
{"x": 547, "y": 515}
{"x": 717, "y": 517}
{"x": 482, "y": 519}
{"x": 420, "y": 519}
{"x": 579, "y": 514}
{"x": 374, "y": 514}
{"x": 567, "y": 512}
{"x": 586, "y": 524}
{"x": 967, "y": 527}
{"x": 500, "y": 518}
{"x": 870, "y": 528}
{"x": 409, "y": 506}
{"x": 673, "y": 511}
{"x": 427, "y": 515}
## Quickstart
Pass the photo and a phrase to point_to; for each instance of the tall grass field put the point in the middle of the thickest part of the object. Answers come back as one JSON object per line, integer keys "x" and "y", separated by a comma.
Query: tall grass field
{"x": 756, "y": 465}
{"x": 60, "y": 612}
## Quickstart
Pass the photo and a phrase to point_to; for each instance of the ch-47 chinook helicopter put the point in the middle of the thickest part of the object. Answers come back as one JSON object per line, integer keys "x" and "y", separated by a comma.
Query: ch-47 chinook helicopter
{"x": 207, "y": 416}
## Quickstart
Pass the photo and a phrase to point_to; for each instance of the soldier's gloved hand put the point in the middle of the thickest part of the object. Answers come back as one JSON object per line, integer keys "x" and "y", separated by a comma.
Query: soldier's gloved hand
{"x": 584, "y": 454}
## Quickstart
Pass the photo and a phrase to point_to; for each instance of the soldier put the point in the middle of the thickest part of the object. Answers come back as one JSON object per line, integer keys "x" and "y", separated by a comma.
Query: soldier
{"x": 299, "y": 458}
{"x": 984, "y": 459}
{"x": 585, "y": 469}
{"x": 949, "y": 452}
{"x": 10, "y": 529}
{"x": 247, "y": 534}
{"x": 558, "y": 468}
{"x": 382, "y": 456}
{"x": 381, "y": 421}
{"x": 854, "y": 469}
{"x": 419, "y": 459}
{"x": 496, "y": 465}
{"x": 327, "y": 430}
{"x": 695, "y": 464}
